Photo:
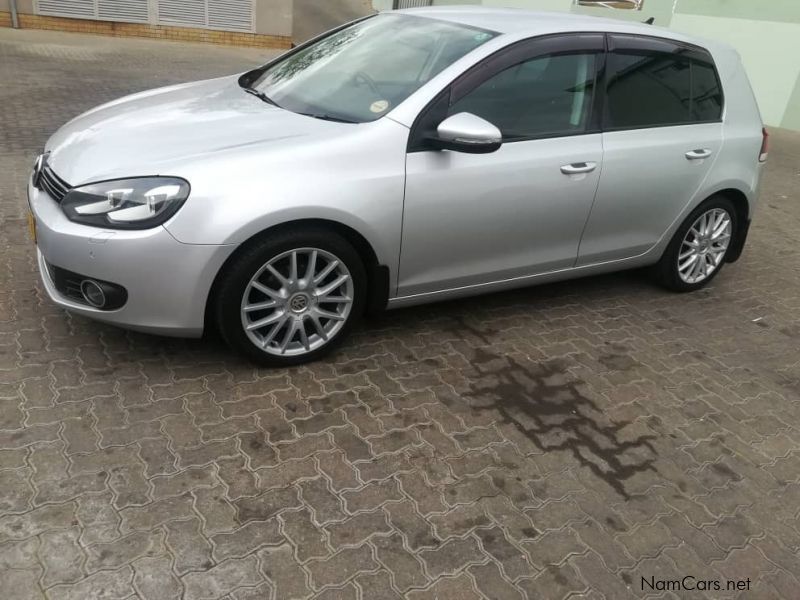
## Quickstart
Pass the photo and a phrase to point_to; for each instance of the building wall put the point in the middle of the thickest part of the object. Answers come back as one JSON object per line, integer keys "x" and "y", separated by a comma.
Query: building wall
{"x": 272, "y": 25}
{"x": 765, "y": 32}
{"x": 767, "y": 35}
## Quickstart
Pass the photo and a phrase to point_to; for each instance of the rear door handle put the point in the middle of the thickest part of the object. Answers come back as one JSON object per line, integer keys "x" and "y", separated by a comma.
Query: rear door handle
{"x": 578, "y": 168}
{"x": 698, "y": 154}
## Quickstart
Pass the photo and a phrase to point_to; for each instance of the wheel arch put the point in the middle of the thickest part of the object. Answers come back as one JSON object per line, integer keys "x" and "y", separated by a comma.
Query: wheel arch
{"x": 378, "y": 275}
{"x": 743, "y": 211}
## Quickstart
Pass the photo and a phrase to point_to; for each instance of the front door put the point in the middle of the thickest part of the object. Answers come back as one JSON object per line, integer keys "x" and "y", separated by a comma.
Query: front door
{"x": 476, "y": 219}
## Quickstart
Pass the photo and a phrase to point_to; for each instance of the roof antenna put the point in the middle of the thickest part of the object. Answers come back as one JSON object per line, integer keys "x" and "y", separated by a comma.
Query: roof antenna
{"x": 650, "y": 21}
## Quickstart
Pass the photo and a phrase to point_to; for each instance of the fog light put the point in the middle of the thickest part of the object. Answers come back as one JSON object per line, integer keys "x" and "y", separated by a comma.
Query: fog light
{"x": 93, "y": 293}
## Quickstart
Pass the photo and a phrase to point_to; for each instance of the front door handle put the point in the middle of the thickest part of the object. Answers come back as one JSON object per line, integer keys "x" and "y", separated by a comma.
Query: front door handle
{"x": 698, "y": 154}
{"x": 578, "y": 168}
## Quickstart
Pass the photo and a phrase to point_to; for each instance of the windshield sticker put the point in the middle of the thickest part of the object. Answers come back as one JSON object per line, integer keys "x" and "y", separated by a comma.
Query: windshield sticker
{"x": 379, "y": 106}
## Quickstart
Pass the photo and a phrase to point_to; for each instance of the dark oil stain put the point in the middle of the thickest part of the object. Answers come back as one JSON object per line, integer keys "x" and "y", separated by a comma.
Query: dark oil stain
{"x": 543, "y": 401}
{"x": 530, "y": 532}
{"x": 618, "y": 362}
{"x": 626, "y": 577}
{"x": 726, "y": 471}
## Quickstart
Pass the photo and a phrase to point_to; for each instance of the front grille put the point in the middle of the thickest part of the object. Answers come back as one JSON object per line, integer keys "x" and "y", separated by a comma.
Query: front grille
{"x": 52, "y": 184}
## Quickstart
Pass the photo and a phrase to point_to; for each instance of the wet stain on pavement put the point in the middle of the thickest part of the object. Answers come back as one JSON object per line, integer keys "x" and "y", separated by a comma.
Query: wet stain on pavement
{"x": 543, "y": 401}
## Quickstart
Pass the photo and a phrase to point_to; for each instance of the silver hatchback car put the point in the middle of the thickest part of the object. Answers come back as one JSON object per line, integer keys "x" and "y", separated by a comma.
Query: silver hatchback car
{"x": 405, "y": 158}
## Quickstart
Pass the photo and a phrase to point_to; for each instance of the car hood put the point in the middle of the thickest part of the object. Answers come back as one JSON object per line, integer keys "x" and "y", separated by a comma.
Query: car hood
{"x": 152, "y": 132}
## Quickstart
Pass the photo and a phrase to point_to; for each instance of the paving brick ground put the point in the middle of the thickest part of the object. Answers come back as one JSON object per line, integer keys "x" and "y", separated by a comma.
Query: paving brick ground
{"x": 566, "y": 439}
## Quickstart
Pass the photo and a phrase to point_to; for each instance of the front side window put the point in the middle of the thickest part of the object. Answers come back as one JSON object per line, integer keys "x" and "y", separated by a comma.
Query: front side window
{"x": 656, "y": 89}
{"x": 543, "y": 97}
{"x": 363, "y": 71}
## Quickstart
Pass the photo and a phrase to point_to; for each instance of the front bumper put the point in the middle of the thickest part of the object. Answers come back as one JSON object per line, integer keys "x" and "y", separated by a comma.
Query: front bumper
{"x": 167, "y": 282}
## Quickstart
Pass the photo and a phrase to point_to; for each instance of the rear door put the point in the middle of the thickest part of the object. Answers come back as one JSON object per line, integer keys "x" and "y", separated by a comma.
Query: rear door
{"x": 662, "y": 133}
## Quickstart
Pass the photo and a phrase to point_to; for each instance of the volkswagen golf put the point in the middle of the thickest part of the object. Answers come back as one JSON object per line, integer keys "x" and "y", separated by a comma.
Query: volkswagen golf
{"x": 405, "y": 158}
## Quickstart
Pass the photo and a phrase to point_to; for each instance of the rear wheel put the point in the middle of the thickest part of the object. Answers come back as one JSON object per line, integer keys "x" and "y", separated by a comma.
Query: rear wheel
{"x": 698, "y": 249}
{"x": 292, "y": 297}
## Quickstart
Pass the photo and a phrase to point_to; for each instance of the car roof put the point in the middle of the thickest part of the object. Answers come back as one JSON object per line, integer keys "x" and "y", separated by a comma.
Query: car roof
{"x": 517, "y": 21}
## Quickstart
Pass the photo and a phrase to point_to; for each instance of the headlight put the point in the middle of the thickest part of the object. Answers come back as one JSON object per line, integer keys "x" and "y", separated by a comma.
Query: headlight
{"x": 138, "y": 203}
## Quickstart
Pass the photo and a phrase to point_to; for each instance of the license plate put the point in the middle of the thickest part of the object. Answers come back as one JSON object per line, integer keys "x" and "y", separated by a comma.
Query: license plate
{"x": 32, "y": 226}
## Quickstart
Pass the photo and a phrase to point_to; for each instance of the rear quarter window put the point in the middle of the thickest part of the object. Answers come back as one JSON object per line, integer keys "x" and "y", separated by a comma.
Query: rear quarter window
{"x": 706, "y": 93}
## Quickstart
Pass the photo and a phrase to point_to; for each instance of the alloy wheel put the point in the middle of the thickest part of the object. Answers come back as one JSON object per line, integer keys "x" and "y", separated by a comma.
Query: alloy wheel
{"x": 297, "y": 302}
{"x": 704, "y": 246}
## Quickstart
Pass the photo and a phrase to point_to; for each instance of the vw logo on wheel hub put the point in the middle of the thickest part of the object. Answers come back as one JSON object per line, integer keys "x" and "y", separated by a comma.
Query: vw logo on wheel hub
{"x": 298, "y": 302}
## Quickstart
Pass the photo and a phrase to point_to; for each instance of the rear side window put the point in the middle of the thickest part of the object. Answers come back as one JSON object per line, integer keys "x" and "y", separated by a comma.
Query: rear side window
{"x": 656, "y": 84}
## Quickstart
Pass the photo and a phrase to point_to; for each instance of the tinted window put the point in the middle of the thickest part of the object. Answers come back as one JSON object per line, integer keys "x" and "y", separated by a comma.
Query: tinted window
{"x": 653, "y": 89}
{"x": 706, "y": 94}
{"x": 545, "y": 96}
{"x": 648, "y": 90}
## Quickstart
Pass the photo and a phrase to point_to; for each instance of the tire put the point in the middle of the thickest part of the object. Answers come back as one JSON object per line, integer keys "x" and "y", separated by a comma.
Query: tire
{"x": 667, "y": 270}
{"x": 258, "y": 288}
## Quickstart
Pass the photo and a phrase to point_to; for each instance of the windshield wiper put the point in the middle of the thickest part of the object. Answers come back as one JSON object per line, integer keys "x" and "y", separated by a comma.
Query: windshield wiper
{"x": 260, "y": 95}
{"x": 326, "y": 117}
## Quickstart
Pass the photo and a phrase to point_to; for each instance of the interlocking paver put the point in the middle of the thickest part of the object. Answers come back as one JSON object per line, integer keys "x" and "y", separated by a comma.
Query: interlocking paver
{"x": 61, "y": 556}
{"x": 340, "y": 567}
{"x": 222, "y": 578}
{"x": 460, "y": 587}
{"x": 110, "y": 585}
{"x": 564, "y": 439}
{"x": 405, "y": 519}
{"x": 512, "y": 559}
{"x": 308, "y": 540}
{"x": 491, "y": 583}
{"x": 124, "y": 550}
{"x": 280, "y": 567}
{"x": 189, "y": 547}
{"x": 339, "y": 471}
{"x": 154, "y": 580}
{"x": 326, "y": 505}
{"x": 357, "y": 529}
{"x": 451, "y": 556}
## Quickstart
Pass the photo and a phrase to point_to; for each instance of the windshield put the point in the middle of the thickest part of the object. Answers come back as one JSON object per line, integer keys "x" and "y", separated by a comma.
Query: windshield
{"x": 360, "y": 73}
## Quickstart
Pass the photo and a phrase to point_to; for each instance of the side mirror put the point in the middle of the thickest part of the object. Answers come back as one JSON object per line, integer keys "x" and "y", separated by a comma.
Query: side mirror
{"x": 465, "y": 132}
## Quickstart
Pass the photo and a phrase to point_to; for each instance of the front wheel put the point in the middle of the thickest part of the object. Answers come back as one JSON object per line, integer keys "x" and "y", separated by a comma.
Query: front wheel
{"x": 291, "y": 298}
{"x": 698, "y": 249}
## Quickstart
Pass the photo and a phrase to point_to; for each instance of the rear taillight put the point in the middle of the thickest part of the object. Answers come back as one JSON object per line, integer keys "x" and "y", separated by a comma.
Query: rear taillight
{"x": 764, "y": 146}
